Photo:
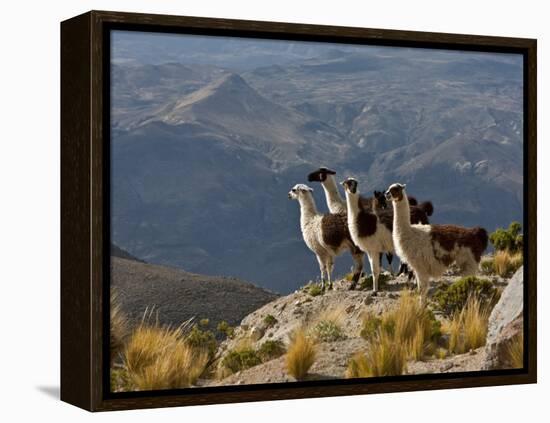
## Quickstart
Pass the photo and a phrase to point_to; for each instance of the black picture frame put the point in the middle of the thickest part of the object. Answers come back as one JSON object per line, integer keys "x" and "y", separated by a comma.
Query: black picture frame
{"x": 85, "y": 193}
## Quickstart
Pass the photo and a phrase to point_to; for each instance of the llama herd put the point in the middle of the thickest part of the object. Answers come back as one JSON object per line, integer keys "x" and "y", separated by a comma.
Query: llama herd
{"x": 367, "y": 225}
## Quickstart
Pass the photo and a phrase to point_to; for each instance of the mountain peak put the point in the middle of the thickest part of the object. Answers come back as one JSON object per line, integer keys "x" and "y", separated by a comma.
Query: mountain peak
{"x": 228, "y": 87}
{"x": 231, "y": 79}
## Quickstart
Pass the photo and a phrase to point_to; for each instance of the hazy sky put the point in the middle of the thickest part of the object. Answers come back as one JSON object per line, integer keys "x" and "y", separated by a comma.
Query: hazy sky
{"x": 247, "y": 53}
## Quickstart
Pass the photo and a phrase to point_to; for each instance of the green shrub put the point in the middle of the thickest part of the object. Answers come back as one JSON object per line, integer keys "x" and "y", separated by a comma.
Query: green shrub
{"x": 223, "y": 327}
{"x": 487, "y": 265}
{"x": 365, "y": 283}
{"x": 370, "y": 326}
{"x": 270, "y": 350}
{"x": 237, "y": 360}
{"x": 441, "y": 353}
{"x": 202, "y": 339}
{"x": 314, "y": 289}
{"x": 435, "y": 332}
{"x": 270, "y": 320}
{"x": 204, "y": 322}
{"x": 327, "y": 331}
{"x": 509, "y": 239}
{"x": 453, "y": 298}
{"x": 120, "y": 380}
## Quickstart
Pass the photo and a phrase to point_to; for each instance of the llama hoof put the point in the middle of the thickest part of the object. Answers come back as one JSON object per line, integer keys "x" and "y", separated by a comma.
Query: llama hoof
{"x": 374, "y": 294}
{"x": 330, "y": 287}
{"x": 352, "y": 286}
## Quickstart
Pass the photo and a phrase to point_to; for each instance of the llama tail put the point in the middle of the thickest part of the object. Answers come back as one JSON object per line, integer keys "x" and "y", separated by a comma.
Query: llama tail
{"x": 482, "y": 235}
{"x": 427, "y": 207}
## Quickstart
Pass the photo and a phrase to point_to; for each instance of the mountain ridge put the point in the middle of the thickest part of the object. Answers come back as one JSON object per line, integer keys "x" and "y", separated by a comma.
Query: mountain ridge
{"x": 176, "y": 295}
{"x": 206, "y": 189}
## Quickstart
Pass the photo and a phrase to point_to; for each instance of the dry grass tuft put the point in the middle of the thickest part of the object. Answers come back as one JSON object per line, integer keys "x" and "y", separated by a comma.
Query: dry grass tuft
{"x": 157, "y": 357}
{"x": 120, "y": 327}
{"x": 418, "y": 344}
{"x": 506, "y": 263}
{"x": 514, "y": 352}
{"x": 412, "y": 325}
{"x": 467, "y": 329}
{"x": 384, "y": 357}
{"x": 476, "y": 318}
{"x": 176, "y": 367}
{"x": 301, "y": 354}
{"x": 406, "y": 332}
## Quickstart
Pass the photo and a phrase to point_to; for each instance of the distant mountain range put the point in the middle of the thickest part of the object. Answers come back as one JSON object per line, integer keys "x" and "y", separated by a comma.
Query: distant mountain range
{"x": 204, "y": 156}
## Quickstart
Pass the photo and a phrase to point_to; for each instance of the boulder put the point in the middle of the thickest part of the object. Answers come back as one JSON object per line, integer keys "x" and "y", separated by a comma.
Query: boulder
{"x": 505, "y": 324}
{"x": 256, "y": 333}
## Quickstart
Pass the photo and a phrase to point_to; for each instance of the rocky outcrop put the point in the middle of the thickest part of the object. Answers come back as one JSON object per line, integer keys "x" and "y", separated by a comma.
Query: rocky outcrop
{"x": 276, "y": 320}
{"x": 505, "y": 324}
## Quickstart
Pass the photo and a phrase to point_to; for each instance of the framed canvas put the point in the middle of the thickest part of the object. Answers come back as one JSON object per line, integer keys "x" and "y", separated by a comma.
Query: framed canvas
{"x": 258, "y": 210}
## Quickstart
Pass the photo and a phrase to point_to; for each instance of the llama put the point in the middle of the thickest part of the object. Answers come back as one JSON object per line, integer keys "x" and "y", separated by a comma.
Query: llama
{"x": 335, "y": 202}
{"x": 430, "y": 249}
{"x": 326, "y": 235}
{"x": 367, "y": 230}
{"x": 381, "y": 204}
{"x": 371, "y": 230}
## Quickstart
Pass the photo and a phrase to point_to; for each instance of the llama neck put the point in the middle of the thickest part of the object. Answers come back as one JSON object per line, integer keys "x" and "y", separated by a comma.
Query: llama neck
{"x": 334, "y": 200}
{"x": 307, "y": 209}
{"x": 352, "y": 202}
{"x": 401, "y": 214}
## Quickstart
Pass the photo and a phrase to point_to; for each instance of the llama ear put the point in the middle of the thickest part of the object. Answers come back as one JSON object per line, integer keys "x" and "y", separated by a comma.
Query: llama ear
{"x": 404, "y": 186}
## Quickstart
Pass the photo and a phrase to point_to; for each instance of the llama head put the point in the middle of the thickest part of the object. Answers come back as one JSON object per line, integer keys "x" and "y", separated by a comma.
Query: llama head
{"x": 380, "y": 199}
{"x": 299, "y": 190}
{"x": 350, "y": 186}
{"x": 320, "y": 175}
{"x": 396, "y": 192}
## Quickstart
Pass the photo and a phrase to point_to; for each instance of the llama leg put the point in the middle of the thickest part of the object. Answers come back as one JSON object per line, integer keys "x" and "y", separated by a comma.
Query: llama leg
{"x": 375, "y": 267}
{"x": 330, "y": 268}
{"x": 357, "y": 268}
{"x": 410, "y": 274}
{"x": 401, "y": 269}
{"x": 422, "y": 281}
{"x": 322, "y": 268}
{"x": 389, "y": 257}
